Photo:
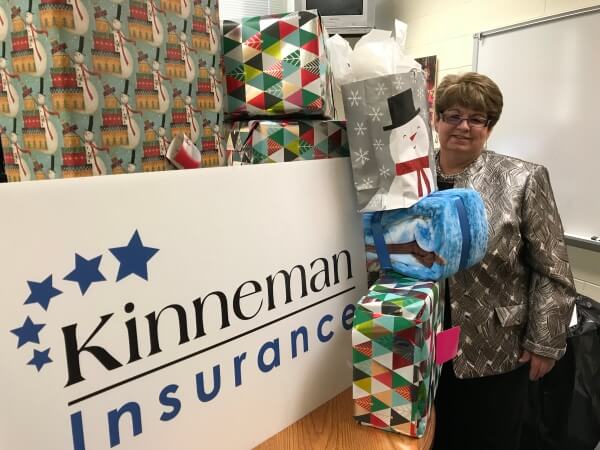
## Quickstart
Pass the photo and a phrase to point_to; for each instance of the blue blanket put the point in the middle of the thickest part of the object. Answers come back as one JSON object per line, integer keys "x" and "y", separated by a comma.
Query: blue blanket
{"x": 443, "y": 233}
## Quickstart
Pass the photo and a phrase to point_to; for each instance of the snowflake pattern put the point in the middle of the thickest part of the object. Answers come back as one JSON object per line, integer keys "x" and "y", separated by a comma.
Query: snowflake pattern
{"x": 385, "y": 172}
{"x": 378, "y": 144}
{"x": 380, "y": 89}
{"x": 366, "y": 183}
{"x": 354, "y": 98}
{"x": 360, "y": 128}
{"x": 376, "y": 114}
{"x": 399, "y": 82}
{"x": 361, "y": 157}
{"x": 420, "y": 93}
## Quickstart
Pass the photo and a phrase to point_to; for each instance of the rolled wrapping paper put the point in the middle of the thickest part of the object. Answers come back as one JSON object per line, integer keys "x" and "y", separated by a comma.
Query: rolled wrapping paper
{"x": 443, "y": 233}
{"x": 183, "y": 154}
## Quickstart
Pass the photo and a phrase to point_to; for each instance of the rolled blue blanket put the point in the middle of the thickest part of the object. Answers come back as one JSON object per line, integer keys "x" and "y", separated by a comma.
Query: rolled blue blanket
{"x": 443, "y": 233}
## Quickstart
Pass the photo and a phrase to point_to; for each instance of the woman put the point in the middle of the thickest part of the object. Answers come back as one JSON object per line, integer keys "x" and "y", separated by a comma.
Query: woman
{"x": 514, "y": 307}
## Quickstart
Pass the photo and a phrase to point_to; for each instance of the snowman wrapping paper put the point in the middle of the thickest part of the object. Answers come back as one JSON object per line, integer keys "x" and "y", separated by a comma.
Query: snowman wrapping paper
{"x": 102, "y": 87}
{"x": 391, "y": 145}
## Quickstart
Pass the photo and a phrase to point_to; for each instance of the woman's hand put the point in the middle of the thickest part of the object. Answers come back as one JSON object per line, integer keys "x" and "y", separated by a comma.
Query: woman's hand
{"x": 538, "y": 365}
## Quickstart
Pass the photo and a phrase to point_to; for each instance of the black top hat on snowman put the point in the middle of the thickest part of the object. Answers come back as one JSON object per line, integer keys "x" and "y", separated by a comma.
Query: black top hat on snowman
{"x": 402, "y": 109}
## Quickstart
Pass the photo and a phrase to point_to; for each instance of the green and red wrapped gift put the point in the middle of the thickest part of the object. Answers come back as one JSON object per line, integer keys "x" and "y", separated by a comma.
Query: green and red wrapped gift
{"x": 276, "y": 65}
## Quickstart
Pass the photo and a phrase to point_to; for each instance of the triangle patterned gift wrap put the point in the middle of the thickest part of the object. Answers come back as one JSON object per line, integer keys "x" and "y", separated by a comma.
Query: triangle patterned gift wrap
{"x": 276, "y": 65}
{"x": 393, "y": 339}
{"x": 270, "y": 141}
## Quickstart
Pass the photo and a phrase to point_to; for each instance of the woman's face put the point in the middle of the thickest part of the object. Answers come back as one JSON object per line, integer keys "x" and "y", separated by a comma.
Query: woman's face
{"x": 463, "y": 138}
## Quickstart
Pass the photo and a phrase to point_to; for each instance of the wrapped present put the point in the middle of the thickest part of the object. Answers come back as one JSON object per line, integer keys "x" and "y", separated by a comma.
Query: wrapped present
{"x": 58, "y": 14}
{"x": 393, "y": 338}
{"x": 23, "y": 61}
{"x": 4, "y": 105}
{"x": 443, "y": 233}
{"x": 20, "y": 41}
{"x": 173, "y": 52}
{"x": 104, "y": 42}
{"x": 277, "y": 65}
{"x": 145, "y": 81}
{"x": 179, "y": 115}
{"x": 290, "y": 140}
{"x": 138, "y": 10}
{"x": 64, "y": 77}
{"x": 151, "y": 149}
{"x": 35, "y": 138}
{"x": 112, "y": 117}
{"x": 31, "y": 119}
{"x": 106, "y": 61}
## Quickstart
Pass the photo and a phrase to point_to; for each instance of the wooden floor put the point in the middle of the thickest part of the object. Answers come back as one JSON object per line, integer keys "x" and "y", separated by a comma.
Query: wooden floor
{"x": 332, "y": 427}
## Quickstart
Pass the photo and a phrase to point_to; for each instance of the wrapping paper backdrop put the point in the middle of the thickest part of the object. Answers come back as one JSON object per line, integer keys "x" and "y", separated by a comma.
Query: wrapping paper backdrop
{"x": 101, "y": 87}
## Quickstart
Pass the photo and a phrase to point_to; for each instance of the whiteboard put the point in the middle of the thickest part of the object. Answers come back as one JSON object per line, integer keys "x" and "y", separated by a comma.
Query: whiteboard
{"x": 549, "y": 73}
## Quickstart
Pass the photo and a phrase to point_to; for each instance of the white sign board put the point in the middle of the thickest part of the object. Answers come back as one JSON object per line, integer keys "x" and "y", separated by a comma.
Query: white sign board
{"x": 177, "y": 310}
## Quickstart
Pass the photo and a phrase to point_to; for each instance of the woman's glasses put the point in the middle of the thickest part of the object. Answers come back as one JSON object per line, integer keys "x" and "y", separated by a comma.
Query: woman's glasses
{"x": 477, "y": 121}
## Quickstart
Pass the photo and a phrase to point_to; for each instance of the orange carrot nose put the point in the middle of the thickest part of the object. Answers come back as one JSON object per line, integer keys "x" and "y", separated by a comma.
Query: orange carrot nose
{"x": 412, "y": 138}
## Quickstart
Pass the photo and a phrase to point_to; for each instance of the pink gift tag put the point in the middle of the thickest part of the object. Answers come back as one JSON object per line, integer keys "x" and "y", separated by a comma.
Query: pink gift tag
{"x": 446, "y": 344}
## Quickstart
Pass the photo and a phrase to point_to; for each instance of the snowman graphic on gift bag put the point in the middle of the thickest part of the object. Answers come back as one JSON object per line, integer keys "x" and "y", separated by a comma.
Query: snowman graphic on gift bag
{"x": 409, "y": 149}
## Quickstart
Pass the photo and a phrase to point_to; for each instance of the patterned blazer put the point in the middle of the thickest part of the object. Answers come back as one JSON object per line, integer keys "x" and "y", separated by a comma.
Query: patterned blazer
{"x": 521, "y": 295}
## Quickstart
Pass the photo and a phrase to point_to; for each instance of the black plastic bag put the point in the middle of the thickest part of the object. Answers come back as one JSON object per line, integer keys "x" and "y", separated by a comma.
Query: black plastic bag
{"x": 563, "y": 409}
{"x": 584, "y": 416}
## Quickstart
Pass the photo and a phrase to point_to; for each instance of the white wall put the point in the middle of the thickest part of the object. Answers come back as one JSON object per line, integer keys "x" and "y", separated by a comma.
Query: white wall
{"x": 445, "y": 28}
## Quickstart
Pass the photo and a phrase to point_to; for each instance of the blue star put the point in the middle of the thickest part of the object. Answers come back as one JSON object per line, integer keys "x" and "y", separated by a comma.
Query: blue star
{"x": 86, "y": 272}
{"x": 40, "y": 359}
{"x": 133, "y": 258}
{"x": 42, "y": 292}
{"x": 28, "y": 332}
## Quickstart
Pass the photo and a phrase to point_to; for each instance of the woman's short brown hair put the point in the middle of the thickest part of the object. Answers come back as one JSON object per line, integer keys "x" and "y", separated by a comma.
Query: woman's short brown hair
{"x": 470, "y": 90}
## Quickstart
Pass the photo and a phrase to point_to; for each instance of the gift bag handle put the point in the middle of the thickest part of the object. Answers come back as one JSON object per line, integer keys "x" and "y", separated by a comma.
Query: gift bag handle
{"x": 379, "y": 240}
{"x": 330, "y": 75}
{"x": 463, "y": 219}
{"x": 248, "y": 141}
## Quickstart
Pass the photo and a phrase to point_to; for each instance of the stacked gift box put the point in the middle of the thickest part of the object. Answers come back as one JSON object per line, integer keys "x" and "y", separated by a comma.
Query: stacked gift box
{"x": 34, "y": 136}
{"x": 66, "y": 94}
{"x": 105, "y": 57}
{"x": 145, "y": 92}
{"x": 173, "y": 6}
{"x": 57, "y": 14}
{"x": 140, "y": 25}
{"x": 113, "y": 130}
{"x": 205, "y": 98}
{"x": 22, "y": 51}
{"x": 174, "y": 63}
{"x": 179, "y": 117}
{"x": 75, "y": 163}
{"x": 278, "y": 82}
{"x": 200, "y": 31}
{"x": 154, "y": 156}
{"x": 208, "y": 148}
